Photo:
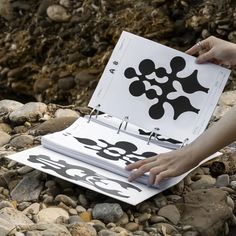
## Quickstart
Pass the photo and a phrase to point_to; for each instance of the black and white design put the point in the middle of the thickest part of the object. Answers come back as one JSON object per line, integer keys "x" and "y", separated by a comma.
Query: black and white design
{"x": 181, "y": 104}
{"x": 84, "y": 175}
{"x": 121, "y": 150}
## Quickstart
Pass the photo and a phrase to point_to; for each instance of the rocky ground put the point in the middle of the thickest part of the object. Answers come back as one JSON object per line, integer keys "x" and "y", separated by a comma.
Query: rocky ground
{"x": 52, "y": 53}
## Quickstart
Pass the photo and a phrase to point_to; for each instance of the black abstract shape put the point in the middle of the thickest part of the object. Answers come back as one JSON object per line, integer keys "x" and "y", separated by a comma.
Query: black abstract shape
{"x": 88, "y": 176}
{"x": 158, "y": 137}
{"x": 190, "y": 84}
{"x": 128, "y": 149}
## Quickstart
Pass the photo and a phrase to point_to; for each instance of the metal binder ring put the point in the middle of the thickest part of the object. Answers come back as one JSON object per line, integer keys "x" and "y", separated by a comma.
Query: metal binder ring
{"x": 125, "y": 119}
{"x": 184, "y": 143}
{"x": 96, "y": 114}
{"x": 155, "y": 130}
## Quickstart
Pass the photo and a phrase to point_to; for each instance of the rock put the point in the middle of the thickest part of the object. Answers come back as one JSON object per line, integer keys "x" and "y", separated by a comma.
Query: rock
{"x": 109, "y": 212}
{"x": 22, "y": 141}
{"x": 5, "y": 127}
{"x": 31, "y": 112}
{"x": 171, "y": 213}
{"x": 206, "y": 210}
{"x": 222, "y": 180}
{"x": 4, "y": 138}
{"x": 85, "y": 76}
{"x": 66, "y": 113}
{"x": 66, "y": 83}
{"x": 50, "y": 214}
{"x": 205, "y": 181}
{"x": 65, "y": 3}
{"x": 106, "y": 232}
{"x": 233, "y": 184}
{"x": 6, "y": 10}
{"x": 54, "y": 125}
{"x": 82, "y": 229}
{"x": 66, "y": 199}
{"x": 132, "y": 226}
{"x": 86, "y": 216}
{"x": 228, "y": 98}
{"x": 32, "y": 209}
{"x": 4, "y": 204}
{"x": 7, "y": 106}
{"x": 58, "y": 13}
{"x": 230, "y": 202}
{"x": 29, "y": 188}
{"x": 165, "y": 228}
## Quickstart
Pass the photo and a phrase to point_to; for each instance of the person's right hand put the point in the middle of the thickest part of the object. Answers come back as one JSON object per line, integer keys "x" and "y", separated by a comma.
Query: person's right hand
{"x": 214, "y": 50}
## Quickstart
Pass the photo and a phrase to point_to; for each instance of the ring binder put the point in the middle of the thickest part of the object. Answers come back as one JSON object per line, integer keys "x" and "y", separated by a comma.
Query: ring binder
{"x": 91, "y": 113}
{"x": 125, "y": 119}
{"x": 184, "y": 143}
{"x": 153, "y": 132}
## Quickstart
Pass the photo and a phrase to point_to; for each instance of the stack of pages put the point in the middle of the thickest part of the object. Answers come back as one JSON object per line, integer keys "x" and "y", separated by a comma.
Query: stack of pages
{"x": 153, "y": 98}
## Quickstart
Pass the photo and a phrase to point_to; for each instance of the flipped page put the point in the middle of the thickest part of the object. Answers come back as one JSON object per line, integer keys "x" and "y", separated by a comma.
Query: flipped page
{"x": 159, "y": 87}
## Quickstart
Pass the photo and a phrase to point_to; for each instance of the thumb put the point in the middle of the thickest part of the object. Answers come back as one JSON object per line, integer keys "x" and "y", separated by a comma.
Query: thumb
{"x": 207, "y": 56}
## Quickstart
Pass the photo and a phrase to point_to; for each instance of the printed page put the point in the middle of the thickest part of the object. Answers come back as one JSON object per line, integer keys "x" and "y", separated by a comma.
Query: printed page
{"x": 101, "y": 146}
{"x": 159, "y": 87}
{"x": 89, "y": 176}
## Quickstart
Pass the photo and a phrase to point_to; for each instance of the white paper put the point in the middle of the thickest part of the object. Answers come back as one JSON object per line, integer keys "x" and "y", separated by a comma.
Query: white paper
{"x": 114, "y": 97}
{"x": 89, "y": 176}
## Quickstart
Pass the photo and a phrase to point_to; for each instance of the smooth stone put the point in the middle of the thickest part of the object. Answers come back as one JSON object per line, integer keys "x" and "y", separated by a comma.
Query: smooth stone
{"x": 66, "y": 113}
{"x": 106, "y": 232}
{"x": 4, "y": 204}
{"x": 157, "y": 219}
{"x": 7, "y": 106}
{"x": 24, "y": 170}
{"x": 228, "y": 98}
{"x": 29, "y": 188}
{"x": 58, "y": 13}
{"x": 144, "y": 217}
{"x": 191, "y": 233}
{"x": 74, "y": 219}
{"x": 169, "y": 229}
{"x": 65, "y": 3}
{"x": 66, "y": 200}
{"x": 5, "y": 128}
{"x": 72, "y": 211}
{"x": 22, "y": 141}
{"x": 222, "y": 180}
{"x": 132, "y": 226}
{"x": 123, "y": 220}
{"x": 98, "y": 225}
{"x": 230, "y": 202}
{"x": 171, "y": 213}
{"x": 50, "y": 214}
{"x": 109, "y": 212}
{"x": 233, "y": 184}
{"x": 32, "y": 209}
{"x": 205, "y": 181}
{"x": 66, "y": 83}
{"x": 141, "y": 233}
{"x": 4, "y": 138}
{"x": 86, "y": 216}
{"x": 54, "y": 125}
{"x": 160, "y": 200}
{"x": 80, "y": 209}
{"x": 31, "y": 112}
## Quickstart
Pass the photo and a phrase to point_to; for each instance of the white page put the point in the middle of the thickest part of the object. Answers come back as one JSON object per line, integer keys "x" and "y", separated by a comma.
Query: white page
{"x": 101, "y": 146}
{"x": 143, "y": 61}
{"x": 91, "y": 177}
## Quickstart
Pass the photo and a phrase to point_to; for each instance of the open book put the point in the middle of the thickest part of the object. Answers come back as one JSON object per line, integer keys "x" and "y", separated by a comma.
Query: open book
{"x": 154, "y": 99}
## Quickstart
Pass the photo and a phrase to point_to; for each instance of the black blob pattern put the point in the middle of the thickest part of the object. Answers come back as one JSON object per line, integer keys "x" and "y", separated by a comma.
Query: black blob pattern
{"x": 190, "y": 84}
{"x": 128, "y": 151}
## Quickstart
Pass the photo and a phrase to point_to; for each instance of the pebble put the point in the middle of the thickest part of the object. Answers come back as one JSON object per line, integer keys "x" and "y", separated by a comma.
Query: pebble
{"x": 5, "y": 128}
{"x": 171, "y": 213}
{"x": 7, "y": 106}
{"x": 29, "y": 112}
{"x": 109, "y": 212}
{"x": 222, "y": 180}
{"x": 58, "y": 13}
{"x": 86, "y": 216}
{"x": 32, "y": 209}
{"x": 22, "y": 141}
{"x": 233, "y": 184}
{"x": 205, "y": 181}
{"x": 50, "y": 214}
{"x": 4, "y": 204}
{"x": 132, "y": 226}
{"x": 6, "y": 10}
{"x": 66, "y": 113}
{"x": 83, "y": 229}
{"x": 66, "y": 200}
{"x": 4, "y": 138}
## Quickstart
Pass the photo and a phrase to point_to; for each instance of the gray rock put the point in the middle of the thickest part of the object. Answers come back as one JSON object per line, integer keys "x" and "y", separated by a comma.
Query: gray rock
{"x": 106, "y": 232}
{"x": 32, "y": 209}
{"x": 191, "y": 233}
{"x": 171, "y": 213}
{"x": 66, "y": 83}
{"x": 205, "y": 181}
{"x": 4, "y": 138}
{"x": 4, "y": 204}
{"x": 206, "y": 210}
{"x": 222, "y": 180}
{"x": 83, "y": 229}
{"x": 233, "y": 184}
{"x": 29, "y": 188}
{"x": 10, "y": 218}
{"x": 109, "y": 212}
{"x": 31, "y": 112}
{"x": 22, "y": 141}
{"x": 74, "y": 219}
{"x": 58, "y": 13}
{"x": 54, "y": 125}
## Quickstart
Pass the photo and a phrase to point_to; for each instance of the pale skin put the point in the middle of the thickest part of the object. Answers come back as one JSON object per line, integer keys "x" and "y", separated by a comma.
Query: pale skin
{"x": 219, "y": 135}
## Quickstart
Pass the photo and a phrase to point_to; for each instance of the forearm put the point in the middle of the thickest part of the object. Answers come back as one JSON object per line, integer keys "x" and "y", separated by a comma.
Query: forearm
{"x": 219, "y": 135}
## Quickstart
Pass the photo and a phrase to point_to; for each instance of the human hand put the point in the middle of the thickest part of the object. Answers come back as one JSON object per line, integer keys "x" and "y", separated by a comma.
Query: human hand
{"x": 214, "y": 50}
{"x": 164, "y": 165}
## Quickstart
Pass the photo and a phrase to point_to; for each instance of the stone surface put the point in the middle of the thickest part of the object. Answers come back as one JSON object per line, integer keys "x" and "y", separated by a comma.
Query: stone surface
{"x": 171, "y": 213}
{"x": 58, "y": 13}
{"x": 4, "y": 138}
{"x": 49, "y": 215}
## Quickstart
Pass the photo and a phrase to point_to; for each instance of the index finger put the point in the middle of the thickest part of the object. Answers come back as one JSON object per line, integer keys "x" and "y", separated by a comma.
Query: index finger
{"x": 193, "y": 50}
